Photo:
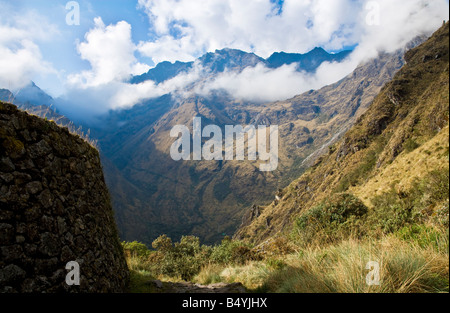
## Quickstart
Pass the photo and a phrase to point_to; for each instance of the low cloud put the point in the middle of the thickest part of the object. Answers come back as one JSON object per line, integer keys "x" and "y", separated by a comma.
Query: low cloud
{"x": 262, "y": 84}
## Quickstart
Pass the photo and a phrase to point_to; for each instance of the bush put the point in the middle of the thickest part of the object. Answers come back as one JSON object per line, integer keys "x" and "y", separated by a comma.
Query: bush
{"x": 183, "y": 259}
{"x": 229, "y": 252}
{"x": 424, "y": 236}
{"x": 136, "y": 249}
{"x": 390, "y": 212}
{"x": 279, "y": 246}
{"x": 360, "y": 173}
{"x": 426, "y": 200}
{"x": 335, "y": 219}
{"x": 162, "y": 244}
{"x": 441, "y": 217}
{"x": 410, "y": 145}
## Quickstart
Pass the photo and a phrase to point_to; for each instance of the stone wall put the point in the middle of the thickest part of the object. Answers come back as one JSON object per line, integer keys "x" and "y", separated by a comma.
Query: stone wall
{"x": 54, "y": 208}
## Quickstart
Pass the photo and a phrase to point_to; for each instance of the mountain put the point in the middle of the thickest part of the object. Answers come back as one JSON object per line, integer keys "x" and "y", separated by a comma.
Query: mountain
{"x": 32, "y": 94}
{"x": 35, "y": 101}
{"x": 237, "y": 60}
{"x": 394, "y": 160}
{"x": 308, "y": 62}
{"x": 163, "y": 71}
{"x": 154, "y": 195}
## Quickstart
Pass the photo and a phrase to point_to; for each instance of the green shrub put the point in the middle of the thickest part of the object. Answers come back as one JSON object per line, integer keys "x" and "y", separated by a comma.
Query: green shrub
{"x": 136, "y": 249}
{"x": 183, "y": 259}
{"x": 335, "y": 219}
{"x": 410, "y": 145}
{"x": 441, "y": 217}
{"x": 422, "y": 235}
{"x": 360, "y": 173}
{"x": 230, "y": 251}
{"x": 163, "y": 244}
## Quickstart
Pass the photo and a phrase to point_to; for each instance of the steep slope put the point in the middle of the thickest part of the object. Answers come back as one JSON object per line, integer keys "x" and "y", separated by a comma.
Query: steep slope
{"x": 402, "y": 136}
{"x": 207, "y": 198}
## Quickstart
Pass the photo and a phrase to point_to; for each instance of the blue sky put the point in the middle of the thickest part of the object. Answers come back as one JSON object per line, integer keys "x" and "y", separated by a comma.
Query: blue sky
{"x": 61, "y": 48}
{"x": 120, "y": 38}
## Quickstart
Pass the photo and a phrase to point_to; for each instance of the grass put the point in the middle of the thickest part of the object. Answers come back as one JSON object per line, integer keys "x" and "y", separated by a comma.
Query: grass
{"x": 405, "y": 267}
{"x": 406, "y": 169}
{"x": 252, "y": 275}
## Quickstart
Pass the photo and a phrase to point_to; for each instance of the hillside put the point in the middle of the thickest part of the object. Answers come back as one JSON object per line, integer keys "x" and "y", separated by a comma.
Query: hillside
{"x": 395, "y": 158}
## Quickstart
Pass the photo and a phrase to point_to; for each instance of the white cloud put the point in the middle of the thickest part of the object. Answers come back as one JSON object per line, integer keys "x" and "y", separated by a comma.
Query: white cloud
{"x": 186, "y": 29}
{"x": 261, "y": 84}
{"x": 110, "y": 51}
{"x": 189, "y": 28}
{"x": 400, "y": 22}
{"x": 20, "y": 55}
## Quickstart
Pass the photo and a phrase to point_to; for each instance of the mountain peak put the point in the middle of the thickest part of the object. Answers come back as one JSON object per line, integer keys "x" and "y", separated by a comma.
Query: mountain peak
{"x": 237, "y": 60}
{"x": 231, "y": 59}
{"x": 309, "y": 61}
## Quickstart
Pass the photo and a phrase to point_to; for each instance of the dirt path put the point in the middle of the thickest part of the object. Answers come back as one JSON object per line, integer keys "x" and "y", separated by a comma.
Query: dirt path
{"x": 185, "y": 287}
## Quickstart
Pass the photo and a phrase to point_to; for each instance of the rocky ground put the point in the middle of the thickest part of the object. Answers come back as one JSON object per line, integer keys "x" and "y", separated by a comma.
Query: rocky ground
{"x": 186, "y": 287}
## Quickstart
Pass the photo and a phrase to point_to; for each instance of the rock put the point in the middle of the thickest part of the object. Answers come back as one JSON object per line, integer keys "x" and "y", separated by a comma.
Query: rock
{"x": 20, "y": 239}
{"x": 34, "y": 187}
{"x": 157, "y": 283}
{"x": 40, "y": 149}
{"x": 7, "y": 178}
{"x": 45, "y": 199}
{"x": 5, "y": 215}
{"x": 11, "y": 253}
{"x": 49, "y": 245}
{"x": 11, "y": 273}
{"x": 6, "y": 234}
{"x": 6, "y": 165}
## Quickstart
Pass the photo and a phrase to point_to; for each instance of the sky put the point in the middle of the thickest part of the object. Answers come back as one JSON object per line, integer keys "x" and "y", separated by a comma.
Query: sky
{"x": 86, "y": 50}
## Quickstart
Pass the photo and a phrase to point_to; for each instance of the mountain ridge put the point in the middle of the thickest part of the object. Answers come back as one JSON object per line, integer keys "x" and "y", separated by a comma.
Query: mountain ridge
{"x": 234, "y": 59}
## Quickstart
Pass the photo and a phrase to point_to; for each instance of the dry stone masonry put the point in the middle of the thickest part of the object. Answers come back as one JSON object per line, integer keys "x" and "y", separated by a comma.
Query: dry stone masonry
{"x": 54, "y": 208}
